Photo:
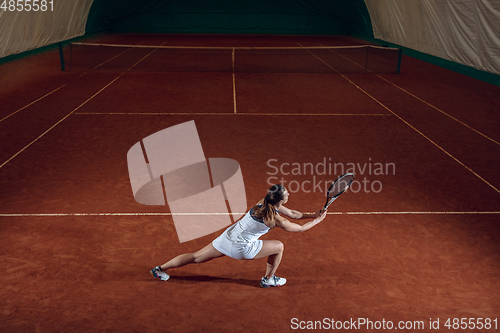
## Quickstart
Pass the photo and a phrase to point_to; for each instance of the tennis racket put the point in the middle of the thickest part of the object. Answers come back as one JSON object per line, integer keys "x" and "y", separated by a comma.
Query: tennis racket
{"x": 338, "y": 187}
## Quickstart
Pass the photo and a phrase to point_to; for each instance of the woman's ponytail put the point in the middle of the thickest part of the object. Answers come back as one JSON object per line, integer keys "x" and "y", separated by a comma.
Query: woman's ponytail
{"x": 266, "y": 209}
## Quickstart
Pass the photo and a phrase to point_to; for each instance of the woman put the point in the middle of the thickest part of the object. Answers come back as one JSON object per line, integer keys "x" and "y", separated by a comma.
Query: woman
{"x": 241, "y": 240}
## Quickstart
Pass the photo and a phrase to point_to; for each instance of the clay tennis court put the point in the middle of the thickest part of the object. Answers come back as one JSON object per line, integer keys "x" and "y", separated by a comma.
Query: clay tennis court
{"x": 415, "y": 241}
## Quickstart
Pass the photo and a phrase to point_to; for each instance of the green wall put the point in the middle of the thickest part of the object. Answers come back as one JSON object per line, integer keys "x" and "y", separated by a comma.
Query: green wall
{"x": 223, "y": 16}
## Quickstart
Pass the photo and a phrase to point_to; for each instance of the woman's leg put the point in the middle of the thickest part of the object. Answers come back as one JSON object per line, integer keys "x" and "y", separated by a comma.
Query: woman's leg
{"x": 206, "y": 254}
{"x": 273, "y": 249}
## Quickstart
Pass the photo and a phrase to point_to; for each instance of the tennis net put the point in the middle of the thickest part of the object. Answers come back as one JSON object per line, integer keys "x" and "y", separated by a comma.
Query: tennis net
{"x": 303, "y": 59}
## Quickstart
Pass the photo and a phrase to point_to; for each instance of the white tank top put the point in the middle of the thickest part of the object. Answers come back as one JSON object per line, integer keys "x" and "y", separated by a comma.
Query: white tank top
{"x": 246, "y": 230}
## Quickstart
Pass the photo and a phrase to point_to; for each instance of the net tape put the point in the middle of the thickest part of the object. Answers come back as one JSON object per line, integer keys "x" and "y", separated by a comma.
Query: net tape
{"x": 237, "y": 47}
{"x": 261, "y": 59}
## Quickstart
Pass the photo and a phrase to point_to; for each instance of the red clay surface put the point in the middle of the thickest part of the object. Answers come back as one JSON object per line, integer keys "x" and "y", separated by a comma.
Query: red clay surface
{"x": 416, "y": 240}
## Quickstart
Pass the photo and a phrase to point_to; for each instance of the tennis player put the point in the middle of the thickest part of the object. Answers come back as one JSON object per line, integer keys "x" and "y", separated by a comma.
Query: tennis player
{"x": 241, "y": 240}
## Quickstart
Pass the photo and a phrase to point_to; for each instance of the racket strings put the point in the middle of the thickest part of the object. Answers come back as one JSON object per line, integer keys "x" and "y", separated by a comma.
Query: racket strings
{"x": 340, "y": 186}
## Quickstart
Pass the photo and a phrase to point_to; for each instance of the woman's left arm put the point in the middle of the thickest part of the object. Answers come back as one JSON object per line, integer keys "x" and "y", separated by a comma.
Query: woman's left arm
{"x": 295, "y": 214}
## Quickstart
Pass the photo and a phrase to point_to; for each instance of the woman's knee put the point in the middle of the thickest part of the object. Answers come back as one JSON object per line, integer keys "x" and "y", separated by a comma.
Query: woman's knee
{"x": 277, "y": 247}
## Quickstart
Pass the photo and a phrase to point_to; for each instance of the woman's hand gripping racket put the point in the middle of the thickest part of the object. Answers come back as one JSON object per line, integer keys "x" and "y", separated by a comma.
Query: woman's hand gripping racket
{"x": 337, "y": 188}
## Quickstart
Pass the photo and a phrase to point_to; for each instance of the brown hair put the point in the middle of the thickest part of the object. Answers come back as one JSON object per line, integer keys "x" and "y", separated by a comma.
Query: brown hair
{"x": 265, "y": 209}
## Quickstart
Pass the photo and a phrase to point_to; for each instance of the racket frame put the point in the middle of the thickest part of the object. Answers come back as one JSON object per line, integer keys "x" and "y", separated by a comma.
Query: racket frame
{"x": 330, "y": 200}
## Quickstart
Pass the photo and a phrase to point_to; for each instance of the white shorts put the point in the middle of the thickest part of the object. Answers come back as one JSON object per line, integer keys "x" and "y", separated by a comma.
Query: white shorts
{"x": 237, "y": 250}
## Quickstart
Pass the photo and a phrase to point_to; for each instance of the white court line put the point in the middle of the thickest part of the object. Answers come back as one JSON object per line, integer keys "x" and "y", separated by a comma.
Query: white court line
{"x": 407, "y": 123}
{"x": 420, "y": 99}
{"x": 69, "y": 114}
{"x": 53, "y": 91}
{"x": 30, "y": 104}
{"x": 438, "y": 109}
{"x": 234, "y": 83}
{"x": 419, "y": 213}
{"x": 60, "y": 121}
{"x": 212, "y": 214}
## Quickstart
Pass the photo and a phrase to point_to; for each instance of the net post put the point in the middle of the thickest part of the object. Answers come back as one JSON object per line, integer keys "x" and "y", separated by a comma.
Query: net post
{"x": 70, "y": 56}
{"x": 61, "y": 56}
{"x": 232, "y": 63}
{"x": 366, "y": 60}
{"x": 399, "y": 60}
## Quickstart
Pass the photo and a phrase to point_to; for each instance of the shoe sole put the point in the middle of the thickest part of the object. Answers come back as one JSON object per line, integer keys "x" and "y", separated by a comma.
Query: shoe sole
{"x": 156, "y": 276}
{"x": 269, "y": 286}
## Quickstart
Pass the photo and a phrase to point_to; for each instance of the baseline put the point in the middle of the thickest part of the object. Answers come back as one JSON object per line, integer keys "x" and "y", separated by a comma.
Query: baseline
{"x": 212, "y": 214}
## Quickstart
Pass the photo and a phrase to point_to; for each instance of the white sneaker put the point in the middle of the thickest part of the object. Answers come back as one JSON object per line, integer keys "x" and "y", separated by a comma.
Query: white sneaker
{"x": 272, "y": 282}
{"x": 158, "y": 273}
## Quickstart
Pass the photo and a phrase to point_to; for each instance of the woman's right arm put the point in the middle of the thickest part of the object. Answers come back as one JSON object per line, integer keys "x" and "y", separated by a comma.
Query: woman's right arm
{"x": 294, "y": 227}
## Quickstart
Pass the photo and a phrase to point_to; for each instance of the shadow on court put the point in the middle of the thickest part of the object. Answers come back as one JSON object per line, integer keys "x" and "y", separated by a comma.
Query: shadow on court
{"x": 192, "y": 279}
